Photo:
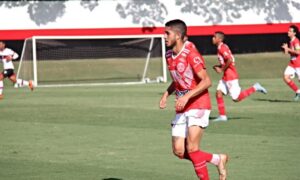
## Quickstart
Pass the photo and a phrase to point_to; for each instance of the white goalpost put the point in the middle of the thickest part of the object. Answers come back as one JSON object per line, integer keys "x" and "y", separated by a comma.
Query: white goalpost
{"x": 54, "y": 61}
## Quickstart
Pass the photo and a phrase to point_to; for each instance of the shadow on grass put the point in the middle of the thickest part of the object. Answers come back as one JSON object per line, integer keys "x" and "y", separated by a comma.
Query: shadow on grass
{"x": 231, "y": 118}
{"x": 275, "y": 100}
{"x": 112, "y": 179}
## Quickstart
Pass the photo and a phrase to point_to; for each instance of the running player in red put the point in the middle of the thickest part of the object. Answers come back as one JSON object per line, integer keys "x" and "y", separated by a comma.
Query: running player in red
{"x": 190, "y": 84}
{"x": 229, "y": 83}
{"x": 6, "y": 56}
{"x": 294, "y": 66}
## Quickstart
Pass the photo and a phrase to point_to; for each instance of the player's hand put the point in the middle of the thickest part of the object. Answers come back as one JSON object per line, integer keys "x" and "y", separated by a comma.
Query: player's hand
{"x": 285, "y": 48}
{"x": 181, "y": 102}
{"x": 163, "y": 102}
{"x": 8, "y": 58}
{"x": 217, "y": 68}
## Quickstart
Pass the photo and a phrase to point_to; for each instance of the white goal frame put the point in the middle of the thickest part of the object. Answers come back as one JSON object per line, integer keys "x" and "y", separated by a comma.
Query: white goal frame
{"x": 143, "y": 80}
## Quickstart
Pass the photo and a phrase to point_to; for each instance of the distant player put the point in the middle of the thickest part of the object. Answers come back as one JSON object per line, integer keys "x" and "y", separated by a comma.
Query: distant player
{"x": 230, "y": 80}
{"x": 294, "y": 66}
{"x": 6, "y": 56}
{"x": 190, "y": 84}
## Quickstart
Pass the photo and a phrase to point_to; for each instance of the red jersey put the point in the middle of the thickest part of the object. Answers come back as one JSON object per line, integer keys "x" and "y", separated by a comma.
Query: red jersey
{"x": 224, "y": 54}
{"x": 183, "y": 68}
{"x": 295, "y": 59}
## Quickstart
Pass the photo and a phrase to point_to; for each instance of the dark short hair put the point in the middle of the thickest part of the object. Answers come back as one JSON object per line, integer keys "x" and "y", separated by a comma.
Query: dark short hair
{"x": 1, "y": 41}
{"x": 179, "y": 25}
{"x": 295, "y": 29}
{"x": 220, "y": 34}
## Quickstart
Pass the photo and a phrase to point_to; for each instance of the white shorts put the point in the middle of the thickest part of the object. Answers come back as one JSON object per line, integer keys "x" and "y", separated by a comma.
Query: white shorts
{"x": 232, "y": 87}
{"x": 292, "y": 71}
{"x": 194, "y": 117}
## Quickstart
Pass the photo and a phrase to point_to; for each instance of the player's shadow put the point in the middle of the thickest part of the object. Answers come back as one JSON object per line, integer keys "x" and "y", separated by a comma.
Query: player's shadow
{"x": 274, "y": 100}
{"x": 112, "y": 179}
{"x": 230, "y": 118}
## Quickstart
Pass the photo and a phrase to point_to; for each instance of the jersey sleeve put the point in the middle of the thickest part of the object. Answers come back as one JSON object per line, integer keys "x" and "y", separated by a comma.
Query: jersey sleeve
{"x": 297, "y": 45}
{"x": 14, "y": 54}
{"x": 10, "y": 52}
{"x": 225, "y": 52}
{"x": 196, "y": 61}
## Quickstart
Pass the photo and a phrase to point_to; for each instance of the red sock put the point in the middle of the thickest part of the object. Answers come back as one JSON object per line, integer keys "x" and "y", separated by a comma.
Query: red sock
{"x": 246, "y": 93}
{"x": 199, "y": 160}
{"x": 221, "y": 106}
{"x": 292, "y": 85}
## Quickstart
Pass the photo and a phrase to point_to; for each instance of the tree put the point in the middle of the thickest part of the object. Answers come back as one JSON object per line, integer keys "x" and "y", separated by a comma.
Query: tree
{"x": 44, "y": 12}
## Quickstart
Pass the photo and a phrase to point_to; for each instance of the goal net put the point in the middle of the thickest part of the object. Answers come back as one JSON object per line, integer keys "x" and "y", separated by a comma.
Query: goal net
{"x": 93, "y": 60}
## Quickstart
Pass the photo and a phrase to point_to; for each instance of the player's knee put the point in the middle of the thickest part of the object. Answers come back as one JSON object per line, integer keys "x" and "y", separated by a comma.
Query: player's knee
{"x": 179, "y": 153}
{"x": 13, "y": 79}
{"x": 192, "y": 148}
{"x": 219, "y": 94}
{"x": 286, "y": 78}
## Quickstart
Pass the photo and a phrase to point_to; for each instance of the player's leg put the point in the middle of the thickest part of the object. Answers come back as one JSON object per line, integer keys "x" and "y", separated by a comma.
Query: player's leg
{"x": 297, "y": 96}
{"x": 22, "y": 83}
{"x": 289, "y": 73}
{"x": 12, "y": 78}
{"x": 178, "y": 147}
{"x": 198, "y": 158}
{"x": 221, "y": 89}
{"x": 179, "y": 132}
{"x": 197, "y": 121}
{"x": 234, "y": 89}
{"x": 18, "y": 82}
{"x": 1, "y": 85}
{"x": 179, "y": 129}
{"x": 245, "y": 93}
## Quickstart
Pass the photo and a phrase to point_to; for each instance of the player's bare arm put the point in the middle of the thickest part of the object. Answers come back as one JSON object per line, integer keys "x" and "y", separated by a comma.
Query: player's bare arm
{"x": 169, "y": 91}
{"x": 9, "y": 58}
{"x": 204, "y": 84}
{"x": 285, "y": 47}
{"x": 217, "y": 68}
{"x": 229, "y": 61}
{"x": 288, "y": 50}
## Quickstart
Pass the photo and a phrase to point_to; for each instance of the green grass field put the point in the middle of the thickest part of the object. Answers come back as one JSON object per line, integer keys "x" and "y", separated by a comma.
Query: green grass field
{"x": 119, "y": 133}
{"x": 51, "y": 72}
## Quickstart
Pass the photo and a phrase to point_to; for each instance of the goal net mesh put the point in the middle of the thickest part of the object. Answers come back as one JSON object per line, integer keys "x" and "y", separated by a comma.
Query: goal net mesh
{"x": 91, "y": 61}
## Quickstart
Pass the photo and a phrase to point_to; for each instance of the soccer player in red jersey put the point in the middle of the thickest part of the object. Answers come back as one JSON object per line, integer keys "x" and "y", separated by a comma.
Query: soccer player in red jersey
{"x": 294, "y": 66}
{"x": 229, "y": 82}
{"x": 190, "y": 82}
